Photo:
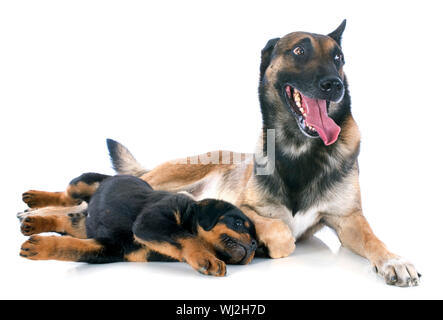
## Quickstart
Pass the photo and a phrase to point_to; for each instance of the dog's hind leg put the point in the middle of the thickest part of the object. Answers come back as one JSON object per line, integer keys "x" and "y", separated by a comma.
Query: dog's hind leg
{"x": 79, "y": 189}
{"x": 66, "y": 248}
{"x": 49, "y": 211}
{"x": 72, "y": 224}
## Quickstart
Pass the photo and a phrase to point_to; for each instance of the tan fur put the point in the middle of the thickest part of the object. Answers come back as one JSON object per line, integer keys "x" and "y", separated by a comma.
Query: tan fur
{"x": 49, "y": 211}
{"x": 58, "y": 248}
{"x": 177, "y": 217}
{"x": 139, "y": 255}
{"x": 72, "y": 224}
{"x": 164, "y": 248}
{"x": 192, "y": 250}
{"x": 40, "y": 199}
{"x": 356, "y": 234}
{"x": 82, "y": 188}
{"x": 213, "y": 236}
{"x": 211, "y": 175}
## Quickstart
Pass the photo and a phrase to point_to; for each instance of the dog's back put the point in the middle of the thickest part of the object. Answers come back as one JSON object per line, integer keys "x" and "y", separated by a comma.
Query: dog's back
{"x": 115, "y": 205}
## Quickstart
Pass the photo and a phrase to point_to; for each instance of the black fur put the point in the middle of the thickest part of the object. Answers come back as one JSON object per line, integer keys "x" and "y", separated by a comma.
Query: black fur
{"x": 300, "y": 182}
{"x": 125, "y": 206}
{"x": 337, "y": 33}
{"x": 89, "y": 178}
{"x": 266, "y": 54}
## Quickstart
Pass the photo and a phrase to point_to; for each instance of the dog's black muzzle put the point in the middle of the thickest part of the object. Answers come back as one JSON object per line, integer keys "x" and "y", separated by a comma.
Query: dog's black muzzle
{"x": 331, "y": 88}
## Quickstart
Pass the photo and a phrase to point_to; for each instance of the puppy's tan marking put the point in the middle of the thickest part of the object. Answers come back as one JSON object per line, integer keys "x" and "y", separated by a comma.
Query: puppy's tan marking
{"x": 139, "y": 255}
{"x": 193, "y": 251}
{"x": 39, "y": 199}
{"x": 72, "y": 224}
{"x": 212, "y": 236}
{"x": 58, "y": 248}
{"x": 177, "y": 217}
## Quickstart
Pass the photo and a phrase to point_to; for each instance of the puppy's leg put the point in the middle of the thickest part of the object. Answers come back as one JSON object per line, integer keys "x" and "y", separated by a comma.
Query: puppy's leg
{"x": 190, "y": 250}
{"x": 159, "y": 230}
{"x": 356, "y": 234}
{"x": 49, "y": 211}
{"x": 73, "y": 224}
{"x": 66, "y": 248}
{"x": 79, "y": 189}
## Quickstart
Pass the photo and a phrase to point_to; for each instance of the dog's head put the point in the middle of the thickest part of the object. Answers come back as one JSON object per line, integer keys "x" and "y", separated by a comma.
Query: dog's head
{"x": 301, "y": 77}
{"x": 226, "y": 229}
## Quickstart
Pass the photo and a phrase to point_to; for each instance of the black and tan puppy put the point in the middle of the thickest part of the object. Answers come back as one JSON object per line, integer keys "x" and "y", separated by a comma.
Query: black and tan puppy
{"x": 126, "y": 220}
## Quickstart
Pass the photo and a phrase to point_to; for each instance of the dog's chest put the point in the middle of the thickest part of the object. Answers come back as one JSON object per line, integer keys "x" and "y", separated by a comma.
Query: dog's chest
{"x": 300, "y": 222}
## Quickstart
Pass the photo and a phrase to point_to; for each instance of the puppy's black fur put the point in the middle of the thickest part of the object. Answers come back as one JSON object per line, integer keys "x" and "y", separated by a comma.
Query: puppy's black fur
{"x": 129, "y": 220}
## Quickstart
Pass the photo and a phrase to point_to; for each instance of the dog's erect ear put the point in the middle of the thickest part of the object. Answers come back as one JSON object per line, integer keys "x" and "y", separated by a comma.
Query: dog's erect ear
{"x": 208, "y": 212}
{"x": 266, "y": 54}
{"x": 337, "y": 33}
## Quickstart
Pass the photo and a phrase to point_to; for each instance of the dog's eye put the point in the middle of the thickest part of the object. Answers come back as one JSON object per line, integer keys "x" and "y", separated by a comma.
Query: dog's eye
{"x": 299, "y": 51}
{"x": 238, "y": 223}
{"x": 338, "y": 58}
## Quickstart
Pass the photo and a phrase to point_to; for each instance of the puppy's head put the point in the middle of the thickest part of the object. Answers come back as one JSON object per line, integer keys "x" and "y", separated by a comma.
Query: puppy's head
{"x": 227, "y": 230}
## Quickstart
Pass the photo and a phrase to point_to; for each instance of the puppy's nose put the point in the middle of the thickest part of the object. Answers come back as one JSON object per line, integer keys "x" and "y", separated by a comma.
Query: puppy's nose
{"x": 253, "y": 244}
{"x": 331, "y": 85}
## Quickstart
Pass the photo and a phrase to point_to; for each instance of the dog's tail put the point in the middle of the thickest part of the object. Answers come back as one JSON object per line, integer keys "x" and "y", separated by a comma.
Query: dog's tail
{"x": 123, "y": 161}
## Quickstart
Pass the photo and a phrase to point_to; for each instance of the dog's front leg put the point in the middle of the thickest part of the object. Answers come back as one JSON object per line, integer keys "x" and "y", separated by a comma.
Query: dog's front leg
{"x": 274, "y": 234}
{"x": 356, "y": 234}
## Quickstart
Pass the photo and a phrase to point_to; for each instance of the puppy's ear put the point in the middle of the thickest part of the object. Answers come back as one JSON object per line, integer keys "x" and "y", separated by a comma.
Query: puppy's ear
{"x": 266, "y": 55}
{"x": 337, "y": 33}
{"x": 207, "y": 213}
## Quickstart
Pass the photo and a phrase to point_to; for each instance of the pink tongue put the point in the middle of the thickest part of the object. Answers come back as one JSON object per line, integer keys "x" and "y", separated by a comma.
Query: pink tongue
{"x": 317, "y": 117}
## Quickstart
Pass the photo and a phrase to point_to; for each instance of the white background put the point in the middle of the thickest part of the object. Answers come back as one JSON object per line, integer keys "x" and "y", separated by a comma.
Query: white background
{"x": 177, "y": 78}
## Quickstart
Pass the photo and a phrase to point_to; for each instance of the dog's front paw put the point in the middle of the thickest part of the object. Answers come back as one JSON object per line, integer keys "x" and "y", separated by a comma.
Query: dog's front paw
{"x": 37, "y": 248}
{"x": 277, "y": 237}
{"x": 207, "y": 263}
{"x": 399, "y": 272}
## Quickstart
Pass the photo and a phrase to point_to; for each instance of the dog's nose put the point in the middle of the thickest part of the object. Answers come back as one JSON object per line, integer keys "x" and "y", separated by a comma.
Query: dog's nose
{"x": 331, "y": 85}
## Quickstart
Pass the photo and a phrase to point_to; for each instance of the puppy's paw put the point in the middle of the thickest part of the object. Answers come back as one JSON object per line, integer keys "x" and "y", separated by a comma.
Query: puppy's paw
{"x": 207, "y": 263}
{"x": 36, "y": 224}
{"x": 22, "y": 215}
{"x": 35, "y": 199}
{"x": 398, "y": 272}
{"x": 277, "y": 237}
{"x": 37, "y": 248}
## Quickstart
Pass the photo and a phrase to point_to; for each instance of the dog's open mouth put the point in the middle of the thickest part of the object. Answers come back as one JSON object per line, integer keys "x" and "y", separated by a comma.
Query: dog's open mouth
{"x": 312, "y": 116}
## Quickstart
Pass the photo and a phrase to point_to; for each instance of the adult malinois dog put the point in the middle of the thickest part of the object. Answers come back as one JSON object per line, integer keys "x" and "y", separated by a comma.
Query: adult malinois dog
{"x": 311, "y": 179}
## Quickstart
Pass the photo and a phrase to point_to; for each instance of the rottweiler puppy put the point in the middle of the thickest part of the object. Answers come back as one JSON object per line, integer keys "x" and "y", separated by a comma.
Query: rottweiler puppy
{"x": 126, "y": 220}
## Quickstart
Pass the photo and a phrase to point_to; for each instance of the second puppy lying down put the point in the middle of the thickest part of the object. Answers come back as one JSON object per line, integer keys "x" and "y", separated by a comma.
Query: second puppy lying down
{"x": 128, "y": 221}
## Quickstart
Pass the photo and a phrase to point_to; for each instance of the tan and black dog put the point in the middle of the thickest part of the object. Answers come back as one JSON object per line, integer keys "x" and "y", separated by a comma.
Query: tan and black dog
{"x": 126, "y": 220}
{"x": 313, "y": 178}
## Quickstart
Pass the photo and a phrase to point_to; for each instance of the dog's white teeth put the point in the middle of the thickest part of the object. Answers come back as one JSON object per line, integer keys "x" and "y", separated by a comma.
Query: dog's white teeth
{"x": 297, "y": 97}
